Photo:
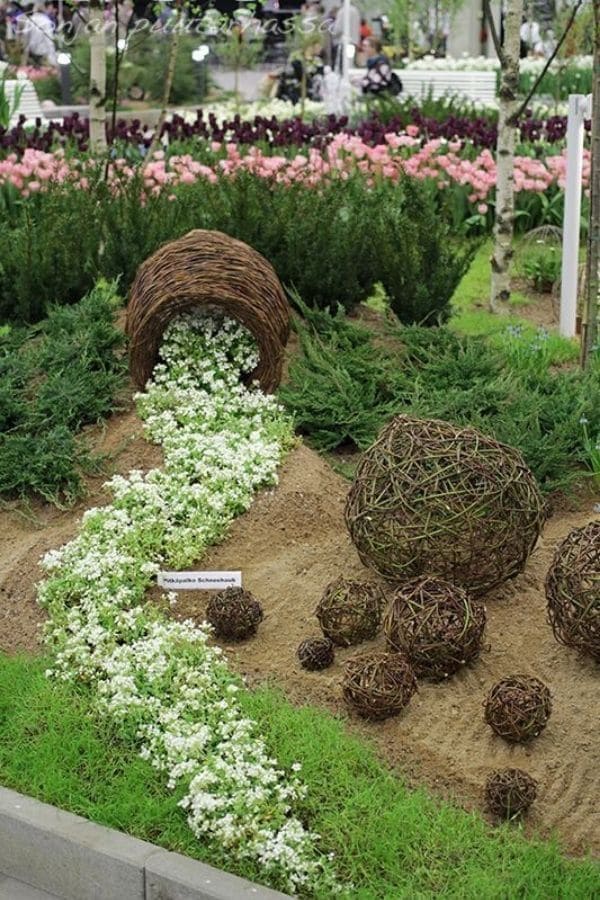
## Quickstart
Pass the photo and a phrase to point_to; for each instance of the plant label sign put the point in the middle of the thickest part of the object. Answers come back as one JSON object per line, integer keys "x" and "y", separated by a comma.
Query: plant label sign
{"x": 199, "y": 581}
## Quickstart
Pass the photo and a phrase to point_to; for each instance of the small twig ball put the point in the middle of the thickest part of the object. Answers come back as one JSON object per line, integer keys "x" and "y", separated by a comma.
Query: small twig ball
{"x": 350, "y": 611}
{"x": 378, "y": 685}
{"x": 509, "y": 792}
{"x": 315, "y": 653}
{"x": 573, "y": 591}
{"x": 518, "y": 707}
{"x": 234, "y": 614}
{"x": 436, "y": 624}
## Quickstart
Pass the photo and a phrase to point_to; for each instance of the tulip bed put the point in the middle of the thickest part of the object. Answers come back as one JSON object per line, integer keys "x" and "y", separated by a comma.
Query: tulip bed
{"x": 460, "y": 174}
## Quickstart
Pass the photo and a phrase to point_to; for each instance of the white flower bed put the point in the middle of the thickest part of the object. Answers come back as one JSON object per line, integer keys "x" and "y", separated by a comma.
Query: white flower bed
{"x": 281, "y": 109}
{"x": 162, "y": 680}
{"x": 530, "y": 65}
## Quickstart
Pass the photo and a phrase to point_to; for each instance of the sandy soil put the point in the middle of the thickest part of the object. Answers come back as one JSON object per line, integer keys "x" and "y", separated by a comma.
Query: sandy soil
{"x": 293, "y": 541}
{"x": 289, "y": 545}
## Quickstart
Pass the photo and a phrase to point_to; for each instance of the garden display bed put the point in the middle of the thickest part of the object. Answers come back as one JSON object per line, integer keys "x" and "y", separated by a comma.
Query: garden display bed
{"x": 289, "y": 545}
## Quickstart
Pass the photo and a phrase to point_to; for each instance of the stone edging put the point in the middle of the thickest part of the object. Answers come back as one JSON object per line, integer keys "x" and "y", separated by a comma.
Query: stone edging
{"x": 75, "y": 859}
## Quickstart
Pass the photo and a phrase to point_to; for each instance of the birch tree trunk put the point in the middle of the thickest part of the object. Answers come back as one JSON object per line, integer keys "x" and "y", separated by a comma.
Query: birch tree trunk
{"x": 173, "y": 49}
{"x": 591, "y": 310}
{"x": 97, "y": 78}
{"x": 505, "y": 152}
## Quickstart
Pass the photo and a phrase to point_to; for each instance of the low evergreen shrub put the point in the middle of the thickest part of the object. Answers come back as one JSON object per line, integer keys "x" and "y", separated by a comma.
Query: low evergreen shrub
{"x": 55, "y": 378}
{"x": 342, "y": 390}
{"x": 331, "y": 243}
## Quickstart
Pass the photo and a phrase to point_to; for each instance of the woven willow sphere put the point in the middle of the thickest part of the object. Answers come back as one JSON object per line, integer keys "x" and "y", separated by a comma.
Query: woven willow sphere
{"x": 518, "y": 707}
{"x": 573, "y": 590}
{"x": 509, "y": 792}
{"x": 350, "y": 611}
{"x": 315, "y": 653}
{"x": 432, "y": 498}
{"x": 211, "y": 271}
{"x": 234, "y": 614}
{"x": 436, "y": 625}
{"x": 378, "y": 685}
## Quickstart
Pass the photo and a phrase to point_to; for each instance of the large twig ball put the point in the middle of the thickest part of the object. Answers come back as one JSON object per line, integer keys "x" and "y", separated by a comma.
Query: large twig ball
{"x": 350, "y": 611}
{"x": 234, "y": 614}
{"x": 432, "y": 498}
{"x": 573, "y": 590}
{"x": 518, "y": 707}
{"x": 378, "y": 685}
{"x": 436, "y": 625}
{"x": 316, "y": 653}
{"x": 510, "y": 792}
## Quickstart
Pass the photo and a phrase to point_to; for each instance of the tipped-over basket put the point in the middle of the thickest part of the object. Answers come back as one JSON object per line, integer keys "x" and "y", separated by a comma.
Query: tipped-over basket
{"x": 208, "y": 269}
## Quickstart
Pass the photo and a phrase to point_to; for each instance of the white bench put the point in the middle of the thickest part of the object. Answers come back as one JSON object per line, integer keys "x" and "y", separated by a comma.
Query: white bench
{"x": 474, "y": 85}
{"x": 28, "y": 105}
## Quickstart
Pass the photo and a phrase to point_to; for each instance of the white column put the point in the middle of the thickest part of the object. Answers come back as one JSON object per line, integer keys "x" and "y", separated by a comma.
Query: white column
{"x": 345, "y": 41}
{"x": 579, "y": 109}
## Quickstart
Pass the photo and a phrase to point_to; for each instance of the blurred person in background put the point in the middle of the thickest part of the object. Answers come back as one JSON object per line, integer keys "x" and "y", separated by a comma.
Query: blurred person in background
{"x": 37, "y": 33}
{"x": 380, "y": 77}
{"x": 338, "y": 33}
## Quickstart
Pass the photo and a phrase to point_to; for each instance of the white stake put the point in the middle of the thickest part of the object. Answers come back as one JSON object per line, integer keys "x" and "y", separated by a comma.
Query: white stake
{"x": 580, "y": 108}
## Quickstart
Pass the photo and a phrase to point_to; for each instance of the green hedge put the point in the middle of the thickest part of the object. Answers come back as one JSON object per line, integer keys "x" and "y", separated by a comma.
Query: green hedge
{"x": 332, "y": 244}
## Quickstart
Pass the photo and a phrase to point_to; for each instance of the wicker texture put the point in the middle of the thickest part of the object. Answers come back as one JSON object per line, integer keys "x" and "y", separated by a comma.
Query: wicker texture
{"x": 350, "y": 611}
{"x": 518, "y": 707}
{"x": 509, "y": 792}
{"x": 235, "y": 614}
{"x": 436, "y": 625}
{"x": 573, "y": 590}
{"x": 378, "y": 685}
{"x": 432, "y": 498}
{"x": 208, "y": 269}
{"x": 315, "y": 653}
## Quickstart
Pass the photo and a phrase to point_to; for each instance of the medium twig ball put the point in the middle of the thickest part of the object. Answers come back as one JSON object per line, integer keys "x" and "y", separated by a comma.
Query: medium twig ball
{"x": 573, "y": 590}
{"x": 315, "y": 653}
{"x": 433, "y": 498}
{"x": 509, "y": 792}
{"x": 436, "y": 624}
{"x": 234, "y": 614}
{"x": 350, "y": 611}
{"x": 518, "y": 707}
{"x": 378, "y": 685}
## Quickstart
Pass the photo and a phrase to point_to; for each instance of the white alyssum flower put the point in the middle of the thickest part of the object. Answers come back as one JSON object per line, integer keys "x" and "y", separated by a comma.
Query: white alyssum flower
{"x": 160, "y": 679}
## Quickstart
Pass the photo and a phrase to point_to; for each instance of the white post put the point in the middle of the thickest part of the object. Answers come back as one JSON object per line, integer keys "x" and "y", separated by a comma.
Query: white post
{"x": 579, "y": 109}
{"x": 345, "y": 41}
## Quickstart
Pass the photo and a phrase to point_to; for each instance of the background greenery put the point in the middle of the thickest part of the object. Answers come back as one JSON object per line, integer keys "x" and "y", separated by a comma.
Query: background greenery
{"x": 332, "y": 244}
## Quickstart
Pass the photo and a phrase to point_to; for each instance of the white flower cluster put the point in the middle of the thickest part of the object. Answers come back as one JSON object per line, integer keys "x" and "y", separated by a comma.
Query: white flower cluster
{"x": 281, "y": 109}
{"x": 530, "y": 65}
{"x": 162, "y": 680}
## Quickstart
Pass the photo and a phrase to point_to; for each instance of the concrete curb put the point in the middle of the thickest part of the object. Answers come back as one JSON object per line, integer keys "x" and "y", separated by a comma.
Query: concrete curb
{"x": 75, "y": 859}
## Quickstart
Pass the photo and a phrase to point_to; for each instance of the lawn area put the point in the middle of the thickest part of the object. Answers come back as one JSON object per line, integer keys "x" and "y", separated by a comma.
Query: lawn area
{"x": 389, "y": 841}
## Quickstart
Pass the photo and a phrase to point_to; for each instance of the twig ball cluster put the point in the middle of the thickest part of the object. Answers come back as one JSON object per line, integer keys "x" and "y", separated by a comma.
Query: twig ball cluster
{"x": 432, "y": 498}
{"x": 518, "y": 707}
{"x": 509, "y": 792}
{"x": 350, "y": 611}
{"x": 573, "y": 590}
{"x": 316, "y": 653}
{"x": 234, "y": 613}
{"x": 436, "y": 624}
{"x": 378, "y": 685}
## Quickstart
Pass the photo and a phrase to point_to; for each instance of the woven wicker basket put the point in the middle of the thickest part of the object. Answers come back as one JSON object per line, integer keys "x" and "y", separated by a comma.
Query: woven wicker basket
{"x": 211, "y": 270}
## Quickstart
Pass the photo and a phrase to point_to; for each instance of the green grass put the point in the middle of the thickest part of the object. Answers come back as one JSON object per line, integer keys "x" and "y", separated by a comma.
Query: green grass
{"x": 56, "y": 377}
{"x": 389, "y": 841}
{"x": 472, "y": 318}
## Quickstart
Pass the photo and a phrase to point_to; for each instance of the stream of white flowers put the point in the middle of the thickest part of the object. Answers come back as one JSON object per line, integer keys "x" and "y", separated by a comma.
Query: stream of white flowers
{"x": 160, "y": 679}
